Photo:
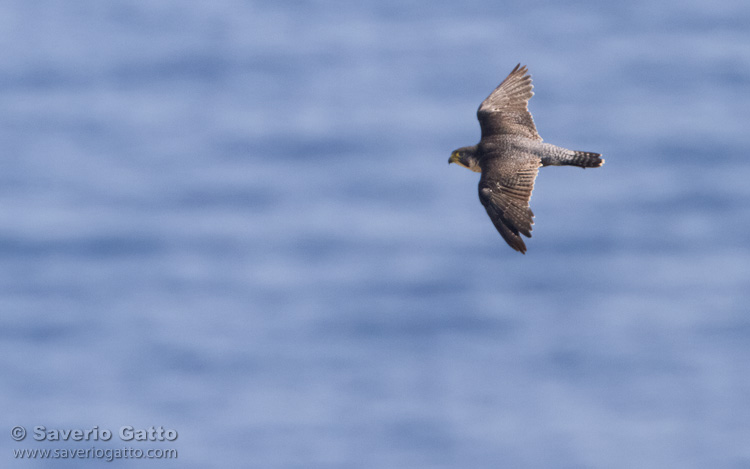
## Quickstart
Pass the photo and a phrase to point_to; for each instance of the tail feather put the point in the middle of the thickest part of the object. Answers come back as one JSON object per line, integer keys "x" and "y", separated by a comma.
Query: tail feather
{"x": 585, "y": 159}
{"x": 552, "y": 155}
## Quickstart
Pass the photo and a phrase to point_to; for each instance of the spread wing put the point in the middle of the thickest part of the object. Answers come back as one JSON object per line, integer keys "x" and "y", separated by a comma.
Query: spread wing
{"x": 505, "y": 111}
{"x": 505, "y": 189}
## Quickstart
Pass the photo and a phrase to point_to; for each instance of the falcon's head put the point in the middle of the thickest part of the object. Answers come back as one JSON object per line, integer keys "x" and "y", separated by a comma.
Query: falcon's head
{"x": 466, "y": 157}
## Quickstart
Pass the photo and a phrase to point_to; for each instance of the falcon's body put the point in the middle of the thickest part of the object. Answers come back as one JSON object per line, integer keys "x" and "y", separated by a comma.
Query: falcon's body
{"x": 509, "y": 155}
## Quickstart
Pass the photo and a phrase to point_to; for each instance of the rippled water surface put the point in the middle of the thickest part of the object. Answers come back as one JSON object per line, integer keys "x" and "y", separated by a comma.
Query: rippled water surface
{"x": 235, "y": 219}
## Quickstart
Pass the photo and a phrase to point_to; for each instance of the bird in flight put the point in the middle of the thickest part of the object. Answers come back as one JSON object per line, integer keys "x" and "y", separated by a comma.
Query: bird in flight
{"x": 509, "y": 155}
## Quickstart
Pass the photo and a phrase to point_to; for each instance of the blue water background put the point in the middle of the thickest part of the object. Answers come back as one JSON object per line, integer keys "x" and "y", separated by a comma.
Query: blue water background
{"x": 236, "y": 219}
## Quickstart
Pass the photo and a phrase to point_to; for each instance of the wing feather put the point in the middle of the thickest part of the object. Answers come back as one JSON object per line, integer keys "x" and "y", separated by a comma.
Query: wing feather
{"x": 505, "y": 111}
{"x": 505, "y": 189}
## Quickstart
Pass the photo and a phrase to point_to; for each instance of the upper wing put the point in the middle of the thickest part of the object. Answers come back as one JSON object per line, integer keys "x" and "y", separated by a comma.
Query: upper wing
{"x": 505, "y": 189}
{"x": 506, "y": 111}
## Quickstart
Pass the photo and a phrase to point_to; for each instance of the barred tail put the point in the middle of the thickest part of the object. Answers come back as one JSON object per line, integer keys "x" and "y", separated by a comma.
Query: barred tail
{"x": 558, "y": 156}
{"x": 585, "y": 159}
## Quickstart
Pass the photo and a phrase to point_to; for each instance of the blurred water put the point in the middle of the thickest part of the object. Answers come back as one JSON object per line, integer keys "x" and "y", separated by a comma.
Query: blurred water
{"x": 235, "y": 219}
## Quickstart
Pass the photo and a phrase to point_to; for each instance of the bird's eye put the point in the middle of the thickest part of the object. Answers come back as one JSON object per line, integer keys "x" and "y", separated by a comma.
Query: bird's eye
{"x": 458, "y": 155}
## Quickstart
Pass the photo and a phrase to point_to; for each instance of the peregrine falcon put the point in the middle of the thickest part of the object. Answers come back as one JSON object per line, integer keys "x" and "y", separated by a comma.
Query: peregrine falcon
{"x": 509, "y": 155}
